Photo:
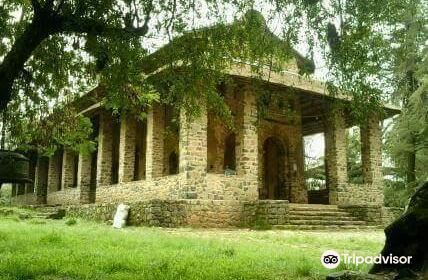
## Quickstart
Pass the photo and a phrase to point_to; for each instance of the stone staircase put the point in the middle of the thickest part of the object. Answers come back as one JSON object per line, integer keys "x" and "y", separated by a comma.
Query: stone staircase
{"x": 47, "y": 212}
{"x": 322, "y": 217}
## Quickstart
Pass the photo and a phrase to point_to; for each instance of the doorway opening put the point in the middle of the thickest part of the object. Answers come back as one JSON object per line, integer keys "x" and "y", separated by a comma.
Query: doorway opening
{"x": 274, "y": 183}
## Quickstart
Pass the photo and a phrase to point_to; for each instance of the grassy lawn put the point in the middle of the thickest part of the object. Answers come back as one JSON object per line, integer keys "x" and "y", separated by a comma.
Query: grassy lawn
{"x": 39, "y": 249}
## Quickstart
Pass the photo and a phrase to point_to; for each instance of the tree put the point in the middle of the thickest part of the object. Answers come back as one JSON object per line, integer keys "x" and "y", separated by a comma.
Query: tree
{"x": 52, "y": 50}
{"x": 408, "y": 138}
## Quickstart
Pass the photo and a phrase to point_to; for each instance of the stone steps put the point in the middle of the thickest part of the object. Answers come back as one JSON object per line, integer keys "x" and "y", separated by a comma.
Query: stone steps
{"x": 322, "y": 213}
{"x": 326, "y": 227}
{"x": 294, "y": 216}
{"x": 48, "y": 212}
{"x": 326, "y": 222}
{"x": 321, "y": 217}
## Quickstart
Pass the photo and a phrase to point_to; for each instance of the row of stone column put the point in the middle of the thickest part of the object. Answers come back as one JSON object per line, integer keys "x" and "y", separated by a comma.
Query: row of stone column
{"x": 59, "y": 171}
{"x": 336, "y": 153}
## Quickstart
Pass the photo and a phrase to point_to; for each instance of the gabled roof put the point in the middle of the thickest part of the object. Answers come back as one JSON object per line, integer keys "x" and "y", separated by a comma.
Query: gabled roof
{"x": 206, "y": 39}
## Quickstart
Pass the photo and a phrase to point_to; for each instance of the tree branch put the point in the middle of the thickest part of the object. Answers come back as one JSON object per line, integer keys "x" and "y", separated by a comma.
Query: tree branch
{"x": 47, "y": 22}
{"x": 97, "y": 27}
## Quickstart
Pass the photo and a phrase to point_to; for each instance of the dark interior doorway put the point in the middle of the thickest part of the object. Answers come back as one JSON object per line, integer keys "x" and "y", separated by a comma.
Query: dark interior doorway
{"x": 229, "y": 152}
{"x": 94, "y": 155}
{"x": 274, "y": 170}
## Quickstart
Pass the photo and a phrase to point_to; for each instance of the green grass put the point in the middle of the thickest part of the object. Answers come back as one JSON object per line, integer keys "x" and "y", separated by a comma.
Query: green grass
{"x": 34, "y": 249}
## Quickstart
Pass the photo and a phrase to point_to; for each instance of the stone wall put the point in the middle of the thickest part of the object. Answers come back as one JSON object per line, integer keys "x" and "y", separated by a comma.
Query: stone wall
{"x": 66, "y": 196}
{"x": 157, "y": 188}
{"x": 219, "y": 187}
{"x": 359, "y": 194}
{"x": 228, "y": 187}
{"x": 196, "y": 213}
{"x": 25, "y": 199}
{"x": 372, "y": 214}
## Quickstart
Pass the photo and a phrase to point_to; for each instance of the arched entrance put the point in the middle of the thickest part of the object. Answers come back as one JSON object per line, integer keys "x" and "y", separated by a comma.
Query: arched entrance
{"x": 274, "y": 170}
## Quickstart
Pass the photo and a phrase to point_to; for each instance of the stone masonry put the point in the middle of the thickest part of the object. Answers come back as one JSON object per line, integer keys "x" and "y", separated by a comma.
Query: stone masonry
{"x": 41, "y": 180}
{"x": 178, "y": 170}
{"x": 84, "y": 177}
{"x": 247, "y": 146}
{"x": 371, "y": 151}
{"x": 221, "y": 170}
{"x": 371, "y": 154}
{"x": 335, "y": 153}
{"x": 193, "y": 154}
{"x": 54, "y": 174}
{"x": 68, "y": 169}
{"x": 105, "y": 150}
{"x": 127, "y": 148}
{"x": 155, "y": 142}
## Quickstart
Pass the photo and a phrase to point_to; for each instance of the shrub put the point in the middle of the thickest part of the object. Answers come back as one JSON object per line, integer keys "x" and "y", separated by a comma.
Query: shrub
{"x": 396, "y": 194}
{"x": 71, "y": 221}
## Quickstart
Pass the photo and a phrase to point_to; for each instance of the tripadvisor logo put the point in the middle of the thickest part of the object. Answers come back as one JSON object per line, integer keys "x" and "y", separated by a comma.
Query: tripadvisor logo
{"x": 331, "y": 259}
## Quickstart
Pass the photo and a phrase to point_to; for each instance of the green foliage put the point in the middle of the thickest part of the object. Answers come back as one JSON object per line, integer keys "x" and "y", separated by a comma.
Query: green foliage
{"x": 261, "y": 224}
{"x": 70, "y": 222}
{"x": 107, "y": 43}
{"x": 46, "y": 133}
{"x": 407, "y": 139}
{"x": 396, "y": 194}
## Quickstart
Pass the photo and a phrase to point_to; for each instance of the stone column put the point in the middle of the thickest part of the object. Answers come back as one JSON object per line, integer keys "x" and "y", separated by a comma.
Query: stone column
{"x": 14, "y": 189}
{"x": 371, "y": 156}
{"x": 128, "y": 126}
{"x": 84, "y": 177}
{"x": 298, "y": 192}
{"x": 193, "y": 158}
{"x": 41, "y": 180}
{"x": 247, "y": 146}
{"x": 335, "y": 153}
{"x": 105, "y": 150}
{"x": 155, "y": 141}
{"x": 32, "y": 171}
{"x": 68, "y": 167}
{"x": 54, "y": 173}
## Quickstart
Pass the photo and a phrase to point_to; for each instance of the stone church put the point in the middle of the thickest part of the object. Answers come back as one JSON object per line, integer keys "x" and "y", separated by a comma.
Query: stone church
{"x": 202, "y": 173}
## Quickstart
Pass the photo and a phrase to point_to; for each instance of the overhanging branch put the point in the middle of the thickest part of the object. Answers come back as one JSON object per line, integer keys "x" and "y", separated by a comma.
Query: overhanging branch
{"x": 96, "y": 27}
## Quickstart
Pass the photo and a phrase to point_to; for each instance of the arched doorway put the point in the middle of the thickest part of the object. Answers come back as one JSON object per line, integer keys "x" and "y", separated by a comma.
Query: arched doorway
{"x": 274, "y": 170}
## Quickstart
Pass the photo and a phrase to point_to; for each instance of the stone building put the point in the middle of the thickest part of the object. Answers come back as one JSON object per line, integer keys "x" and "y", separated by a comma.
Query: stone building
{"x": 203, "y": 173}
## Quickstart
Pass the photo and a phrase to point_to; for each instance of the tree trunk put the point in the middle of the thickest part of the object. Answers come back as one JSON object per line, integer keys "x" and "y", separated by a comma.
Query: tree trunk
{"x": 411, "y": 168}
{"x": 21, "y": 51}
{"x": 3, "y": 130}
